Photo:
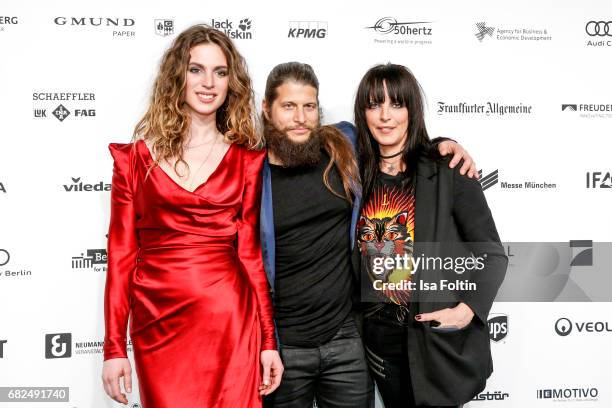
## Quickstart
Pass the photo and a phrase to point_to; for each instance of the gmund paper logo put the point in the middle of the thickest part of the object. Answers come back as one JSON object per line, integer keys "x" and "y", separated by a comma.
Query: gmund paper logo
{"x": 78, "y": 186}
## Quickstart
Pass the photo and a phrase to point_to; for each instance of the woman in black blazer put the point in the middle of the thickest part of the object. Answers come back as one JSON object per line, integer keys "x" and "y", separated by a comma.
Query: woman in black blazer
{"x": 431, "y": 257}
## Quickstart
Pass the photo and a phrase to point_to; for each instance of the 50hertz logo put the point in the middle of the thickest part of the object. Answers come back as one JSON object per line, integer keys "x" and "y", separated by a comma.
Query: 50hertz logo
{"x": 599, "y": 28}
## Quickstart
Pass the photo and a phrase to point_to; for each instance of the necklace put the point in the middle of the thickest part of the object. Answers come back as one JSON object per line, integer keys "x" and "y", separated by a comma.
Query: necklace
{"x": 390, "y": 167}
{"x": 391, "y": 156}
{"x": 203, "y": 161}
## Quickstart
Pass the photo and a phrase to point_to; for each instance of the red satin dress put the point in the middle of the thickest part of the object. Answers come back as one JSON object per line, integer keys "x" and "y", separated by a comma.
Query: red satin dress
{"x": 187, "y": 266}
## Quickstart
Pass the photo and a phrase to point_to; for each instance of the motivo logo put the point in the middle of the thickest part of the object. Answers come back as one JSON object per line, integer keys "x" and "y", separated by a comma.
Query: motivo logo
{"x": 58, "y": 345}
{"x": 577, "y": 394}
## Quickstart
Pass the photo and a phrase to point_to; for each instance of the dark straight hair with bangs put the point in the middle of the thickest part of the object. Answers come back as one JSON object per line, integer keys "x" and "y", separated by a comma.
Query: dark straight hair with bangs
{"x": 404, "y": 89}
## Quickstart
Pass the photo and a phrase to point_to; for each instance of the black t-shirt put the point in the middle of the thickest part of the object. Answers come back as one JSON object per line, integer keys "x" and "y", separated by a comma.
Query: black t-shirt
{"x": 386, "y": 230}
{"x": 313, "y": 281}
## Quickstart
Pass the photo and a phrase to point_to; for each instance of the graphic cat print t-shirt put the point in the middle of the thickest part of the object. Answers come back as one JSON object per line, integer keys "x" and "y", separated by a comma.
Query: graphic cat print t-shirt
{"x": 386, "y": 241}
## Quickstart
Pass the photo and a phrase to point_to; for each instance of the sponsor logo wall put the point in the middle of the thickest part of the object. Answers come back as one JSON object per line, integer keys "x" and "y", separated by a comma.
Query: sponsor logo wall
{"x": 525, "y": 89}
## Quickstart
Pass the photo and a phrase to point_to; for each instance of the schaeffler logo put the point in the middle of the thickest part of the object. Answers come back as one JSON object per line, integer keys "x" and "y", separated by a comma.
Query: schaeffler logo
{"x": 120, "y": 27}
{"x": 94, "y": 259}
{"x": 598, "y": 179}
{"x": 6, "y": 21}
{"x": 47, "y": 101}
{"x": 582, "y": 252}
{"x": 564, "y": 326}
{"x": 484, "y": 31}
{"x": 491, "y": 396}
{"x": 569, "y": 394}
{"x": 237, "y": 31}
{"x": 58, "y": 345}
{"x": 307, "y": 29}
{"x": 164, "y": 27}
{"x": 61, "y": 113}
{"x": 498, "y": 326}
{"x": 78, "y": 186}
{"x": 2, "y": 343}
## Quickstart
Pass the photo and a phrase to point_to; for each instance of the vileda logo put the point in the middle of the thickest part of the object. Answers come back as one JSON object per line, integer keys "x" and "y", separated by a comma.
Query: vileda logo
{"x": 78, "y": 186}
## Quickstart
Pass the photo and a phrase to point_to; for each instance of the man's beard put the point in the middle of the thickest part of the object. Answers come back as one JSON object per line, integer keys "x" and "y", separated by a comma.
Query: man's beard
{"x": 290, "y": 153}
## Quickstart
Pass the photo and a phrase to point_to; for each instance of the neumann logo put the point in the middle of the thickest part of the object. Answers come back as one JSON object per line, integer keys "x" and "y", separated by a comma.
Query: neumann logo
{"x": 78, "y": 186}
{"x": 2, "y": 343}
{"x": 95, "y": 258}
{"x": 58, "y": 345}
{"x": 582, "y": 251}
{"x": 164, "y": 27}
{"x": 390, "y": 25}
{"x": 564, "y": 326}
{"x": 242, "y": 30}
{"x": 489, "y": 180}
{"x": 307, "y": 29}
{"x": 483, "y": 31}
{"x": 569, "y": 107}
{"x": 598, "y": 179}
{"x": 498, "y": 326}
{"x": 578, "y": 394}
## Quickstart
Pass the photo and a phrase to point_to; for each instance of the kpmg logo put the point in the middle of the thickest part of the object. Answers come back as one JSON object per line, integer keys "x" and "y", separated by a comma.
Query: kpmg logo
{"x": 582, "y": 252}
{"x": 121, "y": 27}
{"x": 2, "y": 343}
{"x": 575, "y": 394}
{"x": 491, "y": 179}
{"x": 564, "y": 327}
{"x": 498, "y": 326}
{"x": 95, "y": 259}
{"x": 58, "y": 345}
{"x": 491, "y": 396}
{"x": 240, "y": 30}
{"x": 164, "y": 27}
{"x": 484, "y": 31}
{"x": 307, "y": 29}
{"x": 599, "y": 179}
{"x": 78, "y": 186}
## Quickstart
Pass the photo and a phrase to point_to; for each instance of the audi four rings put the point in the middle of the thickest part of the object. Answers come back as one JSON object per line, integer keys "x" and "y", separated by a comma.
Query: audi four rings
{"x": 598, "y": 28}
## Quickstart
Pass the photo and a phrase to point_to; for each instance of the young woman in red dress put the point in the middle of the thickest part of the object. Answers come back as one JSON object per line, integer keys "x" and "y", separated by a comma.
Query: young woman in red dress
{"x": 184, "y": 257}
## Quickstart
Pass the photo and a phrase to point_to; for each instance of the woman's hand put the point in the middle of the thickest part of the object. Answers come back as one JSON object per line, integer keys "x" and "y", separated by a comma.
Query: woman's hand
{"x": 458, "y": 152}
{"x": 458, "y": 316}
{"x": 272, "y": 367}
{"x": 112, "y": 370}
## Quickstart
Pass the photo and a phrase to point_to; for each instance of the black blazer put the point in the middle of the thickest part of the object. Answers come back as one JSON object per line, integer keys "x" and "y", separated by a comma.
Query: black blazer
{"x": 450, "y": 368}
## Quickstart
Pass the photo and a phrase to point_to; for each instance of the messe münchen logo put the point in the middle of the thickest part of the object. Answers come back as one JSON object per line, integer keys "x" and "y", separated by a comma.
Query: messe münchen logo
{"x": 563, "y": 326}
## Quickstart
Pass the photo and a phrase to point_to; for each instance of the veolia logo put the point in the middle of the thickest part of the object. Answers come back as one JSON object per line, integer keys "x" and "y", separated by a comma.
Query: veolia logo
{"x": 563, "y": 327}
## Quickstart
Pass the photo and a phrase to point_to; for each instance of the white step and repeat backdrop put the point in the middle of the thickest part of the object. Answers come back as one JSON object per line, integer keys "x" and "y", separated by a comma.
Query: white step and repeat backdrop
{"x": 524, "y": 86}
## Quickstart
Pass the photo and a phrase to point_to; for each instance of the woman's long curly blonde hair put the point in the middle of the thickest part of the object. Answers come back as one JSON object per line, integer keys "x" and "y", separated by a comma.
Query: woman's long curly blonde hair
{"x": 166, "y": 122}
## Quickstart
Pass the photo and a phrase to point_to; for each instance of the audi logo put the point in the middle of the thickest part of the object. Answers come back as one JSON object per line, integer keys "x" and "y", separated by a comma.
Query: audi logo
{"x": 599, "y": 28}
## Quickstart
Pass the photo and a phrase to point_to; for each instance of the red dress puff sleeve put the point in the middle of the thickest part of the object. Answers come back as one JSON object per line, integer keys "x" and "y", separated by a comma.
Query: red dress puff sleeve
{"x": 249, "y": 245}
{"x": 122, "y": 252}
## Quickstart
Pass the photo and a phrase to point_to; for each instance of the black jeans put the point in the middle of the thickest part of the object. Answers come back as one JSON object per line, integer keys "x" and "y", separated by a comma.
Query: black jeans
{"x": 334, "y": 374}
{"x": 386, "y": 345}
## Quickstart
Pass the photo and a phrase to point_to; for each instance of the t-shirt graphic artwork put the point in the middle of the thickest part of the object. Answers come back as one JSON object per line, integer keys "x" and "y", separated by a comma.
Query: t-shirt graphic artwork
{"x": 385, "y": 230}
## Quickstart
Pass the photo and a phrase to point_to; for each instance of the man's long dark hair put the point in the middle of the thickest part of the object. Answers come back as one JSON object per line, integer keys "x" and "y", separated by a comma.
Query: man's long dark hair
{"x": 403, "y": 89}
{"x": 334, "y": 142}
